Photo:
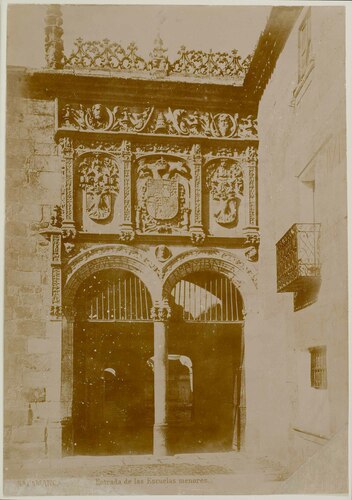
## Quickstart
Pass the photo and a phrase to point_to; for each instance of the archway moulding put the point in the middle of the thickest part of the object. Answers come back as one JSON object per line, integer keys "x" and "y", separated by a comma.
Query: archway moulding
{"x": 158, "y": 281}
{"x": 242, "y": 274}
{"x": 102, "y": 257}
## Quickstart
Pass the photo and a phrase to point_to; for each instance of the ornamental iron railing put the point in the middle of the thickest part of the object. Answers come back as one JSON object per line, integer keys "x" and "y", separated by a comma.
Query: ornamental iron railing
{"x": 297, "y": 258}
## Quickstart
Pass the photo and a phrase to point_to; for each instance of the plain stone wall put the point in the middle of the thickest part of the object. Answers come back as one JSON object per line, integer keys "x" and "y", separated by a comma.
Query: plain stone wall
{"x": 32, "y": 187}
{"x": 306, "y": 132}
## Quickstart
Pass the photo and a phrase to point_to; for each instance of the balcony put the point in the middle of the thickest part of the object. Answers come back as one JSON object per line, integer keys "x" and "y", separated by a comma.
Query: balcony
{"x": 297, "y": 259}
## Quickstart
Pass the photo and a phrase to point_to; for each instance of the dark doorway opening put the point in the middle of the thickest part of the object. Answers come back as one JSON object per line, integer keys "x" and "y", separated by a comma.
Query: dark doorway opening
{"x": 113, "y": 409}
{"x": 207, "y": 328}
{"x": 113, "y": 390}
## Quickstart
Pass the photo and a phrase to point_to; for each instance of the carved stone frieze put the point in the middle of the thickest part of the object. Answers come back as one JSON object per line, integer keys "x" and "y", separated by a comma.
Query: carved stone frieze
{"x": 142, "y": 149}
{"x": 149, "y": 120}
{"x": 163, "y": 195}
{"x": 225, "y": 183}
{"x": 101, "y": 118}
{"x": 113, "y": 147}
{"x": 99, "y": 179}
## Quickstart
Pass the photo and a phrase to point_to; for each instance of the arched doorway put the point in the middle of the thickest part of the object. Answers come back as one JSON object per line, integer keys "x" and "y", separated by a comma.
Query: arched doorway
{"x": 113, "y": 409}
{"x": 206, "y": 329}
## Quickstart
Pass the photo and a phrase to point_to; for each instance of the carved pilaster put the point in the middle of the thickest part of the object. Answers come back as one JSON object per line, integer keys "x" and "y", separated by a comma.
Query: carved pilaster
{"x": 196, "y": 229}
{"x": 249, "y": 160}
{"x": 67, "y": 152}
{"x": 68, "y": 223}
{"x": 54, "y": 46}
{"x": 56, "y": 275}
{"x": 127, "y": 231}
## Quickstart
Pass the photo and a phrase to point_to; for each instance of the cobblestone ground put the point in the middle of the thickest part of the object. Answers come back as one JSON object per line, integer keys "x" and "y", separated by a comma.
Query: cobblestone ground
{"x": 227, "y": 473}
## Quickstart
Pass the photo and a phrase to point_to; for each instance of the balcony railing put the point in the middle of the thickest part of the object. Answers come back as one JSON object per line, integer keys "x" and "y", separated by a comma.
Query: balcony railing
{"x": 297, "y": 258}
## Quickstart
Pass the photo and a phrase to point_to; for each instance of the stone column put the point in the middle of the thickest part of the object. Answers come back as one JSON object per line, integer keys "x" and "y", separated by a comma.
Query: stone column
{"x": 160, "y": 314}
{"x": 67, "y": 381}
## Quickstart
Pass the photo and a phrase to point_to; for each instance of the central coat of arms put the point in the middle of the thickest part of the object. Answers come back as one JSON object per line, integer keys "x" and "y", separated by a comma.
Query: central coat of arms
{"x": 163, "y": 195}
{"x": 162, "y": 198}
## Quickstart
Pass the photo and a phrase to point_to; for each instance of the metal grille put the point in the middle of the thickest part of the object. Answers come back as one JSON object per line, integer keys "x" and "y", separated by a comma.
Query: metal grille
{"x": 122, "y": 297}
{"x": 208, "y": 299}
{"x": 318, "y": 378}
{"x": 297, "y": 255}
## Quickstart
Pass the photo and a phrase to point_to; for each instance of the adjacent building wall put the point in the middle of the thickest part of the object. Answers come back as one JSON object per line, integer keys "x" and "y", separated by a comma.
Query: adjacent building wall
{"x": 302, "y": 138}
{"x": 31, "y": 354}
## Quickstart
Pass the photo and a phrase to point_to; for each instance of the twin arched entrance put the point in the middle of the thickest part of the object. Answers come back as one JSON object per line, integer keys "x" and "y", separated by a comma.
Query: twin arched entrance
{"x": 157, "y": 375}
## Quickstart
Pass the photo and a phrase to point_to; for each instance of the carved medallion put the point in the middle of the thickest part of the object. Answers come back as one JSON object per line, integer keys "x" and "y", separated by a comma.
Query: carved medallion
{"x": 162, "y": 253}
{"x": 163, "y": 195}
{"x": 225, "y": 183}
{"x": 99, "y": 180}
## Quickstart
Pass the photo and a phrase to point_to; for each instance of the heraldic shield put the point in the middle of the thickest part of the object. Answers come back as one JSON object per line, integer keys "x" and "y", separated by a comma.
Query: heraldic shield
{"x": 162, "y": 197}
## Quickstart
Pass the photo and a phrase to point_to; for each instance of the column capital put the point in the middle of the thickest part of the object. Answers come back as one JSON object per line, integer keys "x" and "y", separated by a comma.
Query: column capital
{"x": 161, "y": 311}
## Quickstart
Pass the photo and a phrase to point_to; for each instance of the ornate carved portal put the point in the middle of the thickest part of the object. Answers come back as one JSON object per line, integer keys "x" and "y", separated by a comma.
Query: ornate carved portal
{"x": 131, "y": 172}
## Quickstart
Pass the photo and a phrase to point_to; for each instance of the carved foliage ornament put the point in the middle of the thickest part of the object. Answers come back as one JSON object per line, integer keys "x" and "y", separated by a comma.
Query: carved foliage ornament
{"x": 163, "y": 195}
{"x": 169, "y": 121}
{"x": 99, "y": 179}
{"x": 100, "y": 117}
{"x": 225, "y": 183}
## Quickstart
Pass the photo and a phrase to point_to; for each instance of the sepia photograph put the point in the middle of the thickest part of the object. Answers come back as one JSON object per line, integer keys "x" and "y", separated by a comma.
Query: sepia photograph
{"x": 176, "y": 249}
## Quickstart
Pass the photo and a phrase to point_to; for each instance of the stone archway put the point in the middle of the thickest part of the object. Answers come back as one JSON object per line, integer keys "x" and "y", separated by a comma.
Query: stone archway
{"x": 102, "y": 257}
{"x": 243, "y": 276}
{"x": 77, "y": 271}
